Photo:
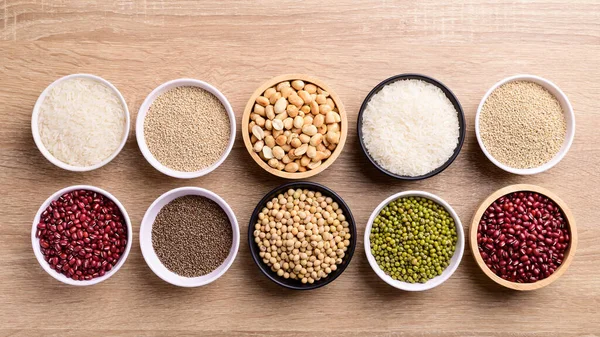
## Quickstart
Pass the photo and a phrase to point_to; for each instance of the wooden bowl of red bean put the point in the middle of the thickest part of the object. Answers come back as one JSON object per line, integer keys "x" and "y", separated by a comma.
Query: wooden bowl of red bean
{"x": 523, "y": 237}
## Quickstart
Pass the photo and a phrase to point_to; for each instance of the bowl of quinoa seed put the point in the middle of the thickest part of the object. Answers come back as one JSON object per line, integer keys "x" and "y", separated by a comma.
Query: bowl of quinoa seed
{"x": 185, "y": 128}
{"x": 189, "y": 237}
{"x": 525, "y": 124}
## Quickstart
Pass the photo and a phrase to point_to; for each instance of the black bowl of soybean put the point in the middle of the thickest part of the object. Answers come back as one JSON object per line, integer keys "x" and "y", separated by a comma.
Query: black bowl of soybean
{"x": 449, "y": 94}
{"x": 291, "y": 283}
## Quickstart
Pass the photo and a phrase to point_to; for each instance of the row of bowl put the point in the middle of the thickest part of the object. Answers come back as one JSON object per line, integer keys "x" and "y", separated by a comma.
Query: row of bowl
{"x": 339, "y": 108}
{"x": 160, "y": 270}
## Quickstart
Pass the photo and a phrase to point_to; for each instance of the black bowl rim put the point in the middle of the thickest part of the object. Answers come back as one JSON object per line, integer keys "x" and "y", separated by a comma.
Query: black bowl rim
{"x": 290, "y": 283}
{"x": 455, "y": 102}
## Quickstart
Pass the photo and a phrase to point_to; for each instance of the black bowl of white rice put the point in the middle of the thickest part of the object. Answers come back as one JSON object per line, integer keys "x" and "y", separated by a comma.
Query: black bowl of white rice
{"x": 411, "y": 127}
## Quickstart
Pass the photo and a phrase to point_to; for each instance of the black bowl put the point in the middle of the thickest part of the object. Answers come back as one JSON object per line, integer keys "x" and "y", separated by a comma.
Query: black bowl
{"x": 296, "y": 284}
{"x": 451, "y": 97}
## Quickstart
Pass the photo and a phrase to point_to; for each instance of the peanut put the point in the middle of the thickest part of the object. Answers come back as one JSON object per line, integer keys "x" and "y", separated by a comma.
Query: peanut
{"x": 309, "y": 130}
{"x": 308, "y": 120}
{"x": 270, "y": 112}
{"x": 321, "y": 99}
{"x": 269, "y": 92}
{"x": 313, "y": 165}
{"x": 298, "y": 84}
{"x": 292, "y": 110}
{"x": 301, "y": 150}
{"x": 305, "y": 109}
{"x": 268, "y": 124}
{"x": 316, "y": 139}
{"x": 296, "y": 142}
{"x": 274, "y": 97}
{"x": 304, "y": 161}
{"x": 278, "y": 152}
{"x": 281, "y": 140}
{"x": 273, "y": 162}
{"x": 258, "y": 132}
{"x": 286, "y": 92}
{"x": 330, "y": 103}
{"x": 314, "y": 108}
{"x": 282, "y": 85}
{"x": 262, "y": 100}
{"x": 258, "y": 146}
{"x": 267, "y": 152}
{"x": 324, "y": 108}
{"x": 269, "y": 141}
{"x": 305, "y": 96}
{"x": 259, "y": 121}
{"x": 298, "y": 122}
{"x": 311, "y": 152}
{"x": 288, "y": 123}
{"x": 259, "y": 109}
{"x": 311, "y": 88}
{"x": 277, "y": 124}
{"x": 292, "y": 167}
{"x": 333, "y": 137}
{"x": 280, "y": 105}
{"x": 304, "y": 138}
{"x": 286, "y": 159}
{"x": 318, "y": 120}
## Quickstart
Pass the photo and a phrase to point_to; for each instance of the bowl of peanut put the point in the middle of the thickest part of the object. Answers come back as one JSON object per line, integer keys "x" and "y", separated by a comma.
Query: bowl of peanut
{"x": 294, "y": 126}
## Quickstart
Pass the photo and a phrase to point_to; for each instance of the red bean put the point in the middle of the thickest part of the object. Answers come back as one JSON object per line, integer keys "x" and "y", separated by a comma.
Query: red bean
{"x": 69, "y": 240}
{"x": 522, "y": 237}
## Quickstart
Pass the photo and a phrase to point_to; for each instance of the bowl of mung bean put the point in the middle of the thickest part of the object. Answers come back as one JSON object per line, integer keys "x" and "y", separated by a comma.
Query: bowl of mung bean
{"x": 189, "y": 236}
{"x": 525, "y": 124}
{"x": 185, "y": 128}
{"x": 294, "y": 126}
{"x": 302, "y": 235}
{"x": 414, "y": 241}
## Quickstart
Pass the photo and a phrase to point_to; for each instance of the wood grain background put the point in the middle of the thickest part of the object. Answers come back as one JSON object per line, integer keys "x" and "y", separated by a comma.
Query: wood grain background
{"x": 352, "y": 45}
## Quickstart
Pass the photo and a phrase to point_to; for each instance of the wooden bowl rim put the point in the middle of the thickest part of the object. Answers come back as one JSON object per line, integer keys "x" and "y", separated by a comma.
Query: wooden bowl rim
{"x": 568, "y": 255}
{"x": 288, "y": 77}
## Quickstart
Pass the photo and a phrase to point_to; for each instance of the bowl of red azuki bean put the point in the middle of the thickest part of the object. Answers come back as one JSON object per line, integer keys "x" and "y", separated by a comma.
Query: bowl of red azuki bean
{"x": 81, "y": 235}
{"x": 523, "y": 237}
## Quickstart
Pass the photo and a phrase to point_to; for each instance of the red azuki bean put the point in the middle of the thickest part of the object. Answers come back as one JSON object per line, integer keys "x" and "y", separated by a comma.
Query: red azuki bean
{"x": 82, "y": 234}
{"x": 523, "y": 237}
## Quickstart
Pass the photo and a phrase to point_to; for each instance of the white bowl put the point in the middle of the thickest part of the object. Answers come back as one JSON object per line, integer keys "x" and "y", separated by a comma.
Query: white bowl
{"x": 454, "y": 262}
{"x": 567, "y": 110}
{"x": 150, "y": 255}
{"x": 139, "y": 126}
{"x": 35, "y": 242}
{"x": 36, "y": 132}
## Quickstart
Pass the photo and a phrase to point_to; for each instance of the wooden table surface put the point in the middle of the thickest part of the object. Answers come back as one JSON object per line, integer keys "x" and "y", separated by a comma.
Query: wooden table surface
{"x": 352, "y": 45}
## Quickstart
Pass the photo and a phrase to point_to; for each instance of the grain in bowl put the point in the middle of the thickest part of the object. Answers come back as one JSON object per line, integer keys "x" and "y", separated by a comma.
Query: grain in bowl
{"x": 522, "y": 125}
{"x": 187, "y": 129}
{"x": 80, "y": 122}
{"x": 411, "y": 127}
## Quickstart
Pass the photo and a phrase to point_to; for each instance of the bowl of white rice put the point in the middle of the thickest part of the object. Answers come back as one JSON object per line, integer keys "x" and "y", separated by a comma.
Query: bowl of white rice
{"x": 411, "y": 127}
{"x": 80, "y": 122}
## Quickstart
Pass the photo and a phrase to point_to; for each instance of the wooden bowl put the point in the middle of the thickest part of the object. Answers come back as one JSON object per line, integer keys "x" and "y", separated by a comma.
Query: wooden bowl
{"x": 570, "y": 252}
{"x": 246, "y": 120}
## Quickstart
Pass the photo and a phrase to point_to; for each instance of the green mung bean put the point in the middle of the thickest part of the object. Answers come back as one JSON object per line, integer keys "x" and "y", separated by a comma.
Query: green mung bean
{"x": 413, "y": 239}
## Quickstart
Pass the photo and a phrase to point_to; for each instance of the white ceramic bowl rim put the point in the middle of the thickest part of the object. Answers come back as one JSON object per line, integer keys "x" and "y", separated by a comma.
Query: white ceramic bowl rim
{"x": 150, "y": 255}
{"x": 567, "y": 110}
{"x": 139, "y": 127}
{"x": 454, "y": 262}
{"x": 36, "y": 245}
{"x": 36, "y": 133}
